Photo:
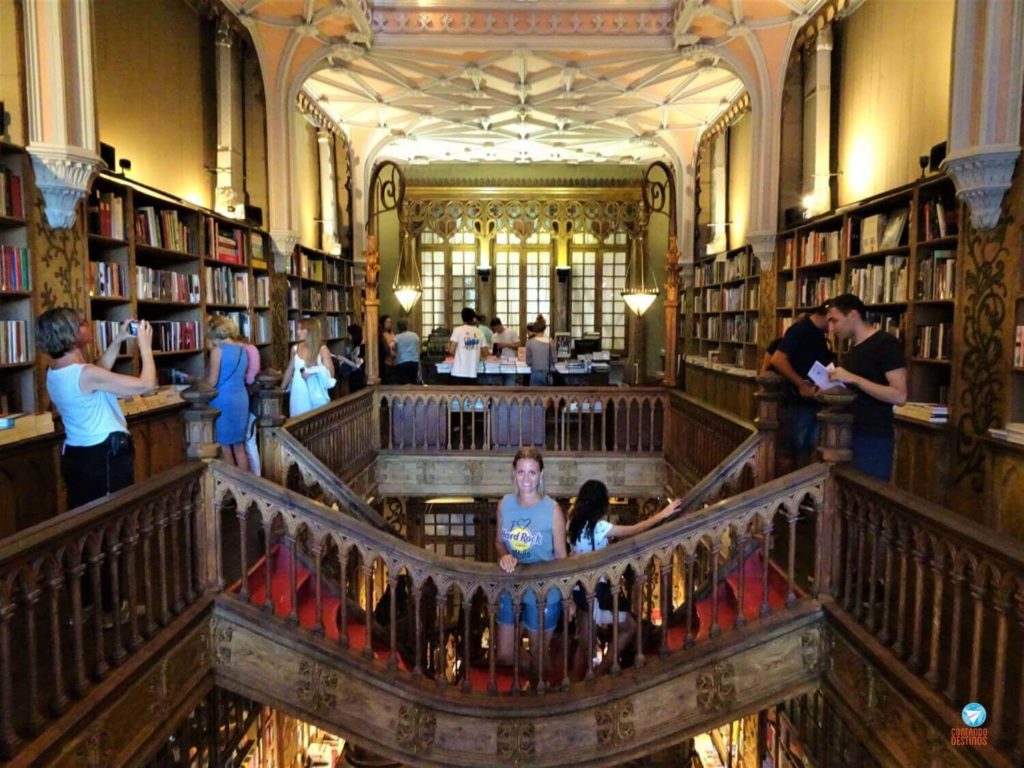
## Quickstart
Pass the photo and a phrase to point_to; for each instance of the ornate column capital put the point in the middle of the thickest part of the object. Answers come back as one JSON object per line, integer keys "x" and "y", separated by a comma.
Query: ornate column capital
{"x": 284, "y": 241}
{"x": 763, "y": 245}
{"x": 63, "y": 175}
{"x": 982, "y": 176}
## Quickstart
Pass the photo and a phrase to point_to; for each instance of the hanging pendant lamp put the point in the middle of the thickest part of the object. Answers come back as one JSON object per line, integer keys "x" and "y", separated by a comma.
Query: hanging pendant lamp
{"x": 641, "y": 287}
{"x": 407, "y": 285}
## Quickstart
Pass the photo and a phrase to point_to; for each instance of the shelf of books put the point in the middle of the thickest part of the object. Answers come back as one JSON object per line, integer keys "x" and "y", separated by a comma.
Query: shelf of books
{"x": 897, "y": 251}
{"x": 725, "y": 304}
{"x": 158, "y": 258}
{"x": 321, "y": 285}
{"x": 17, "y": 346}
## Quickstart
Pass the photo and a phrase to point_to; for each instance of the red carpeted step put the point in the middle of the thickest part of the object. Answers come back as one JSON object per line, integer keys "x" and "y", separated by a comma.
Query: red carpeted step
{"x": 753, "y": 575}
{"x": 279, "y": 581}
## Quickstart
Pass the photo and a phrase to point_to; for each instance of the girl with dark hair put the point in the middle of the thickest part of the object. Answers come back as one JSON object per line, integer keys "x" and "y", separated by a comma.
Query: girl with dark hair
{"x": 531, "y": 529}
{"x": 387, "y": 349}
{"x": 589, "y": 531}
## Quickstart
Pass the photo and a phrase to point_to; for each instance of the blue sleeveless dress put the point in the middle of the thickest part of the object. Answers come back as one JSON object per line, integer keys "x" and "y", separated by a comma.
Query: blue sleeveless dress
{"x": 232, "y": 398}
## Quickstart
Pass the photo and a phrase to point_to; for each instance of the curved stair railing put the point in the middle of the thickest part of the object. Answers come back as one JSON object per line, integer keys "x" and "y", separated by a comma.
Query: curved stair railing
{"x": 653, "y": 573}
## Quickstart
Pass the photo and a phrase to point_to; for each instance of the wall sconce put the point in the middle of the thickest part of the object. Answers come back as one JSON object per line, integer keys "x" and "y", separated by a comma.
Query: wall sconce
{"x": 563, "y": 271}
{"x": 484, "y": 272}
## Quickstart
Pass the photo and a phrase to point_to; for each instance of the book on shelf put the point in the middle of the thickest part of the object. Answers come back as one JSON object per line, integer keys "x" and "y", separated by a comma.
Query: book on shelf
{"x": 813, "y": 291}
{"x": 737, "y": 266}
{"x": 12, "y": 202}
{"x": 259, "y": 259}
{"x": 895, "y": 226}
{"x": 312, "y": 299}
{"x": 939, "y": 219}
{"x": 105, "y": 331}
{"x": 108, "y": 279}
{"x": 263, "y": 290}
{"x": 934, "y": 413}
{"x": 936, "y": 276}
{"x": 782, "y": 325}
{"x": 176, "y": 335}
{"x": 224, "y": 242}
{"x": 1018, "y": 347}
{"x": 869, "y": 233}
{"x": 895, "y": 288}
{"x": 261, "y": 329}
{"x": 820, "y": 248}
{"x": 243, "y": 321}
{"x": 226, "y": 286}
{"x": 787, "y": 291}
{"x": 934, "y": 342}
{"x": 106, "y": 211}
{"x": 293, "y": 296}
{"x": 164, "y": 229}
{"x": 891, "y": 323}
{"x": 1013, "y": 431}
{"x": 708, "y": 273}
{"x": 14, "y": 343}
{"x": 164, "y": 285}
{"x": 15, "y": 269}
{"x": 788, "y": 252}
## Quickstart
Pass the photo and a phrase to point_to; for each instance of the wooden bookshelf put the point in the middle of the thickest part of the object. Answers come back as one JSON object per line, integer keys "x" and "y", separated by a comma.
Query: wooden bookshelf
{"x": 725, "y": 305}
{"x": 17, "y": 315}
{"x": 897, "y": 251}
{"x": 321, "y": 285}
{"x": 180, "y": 263}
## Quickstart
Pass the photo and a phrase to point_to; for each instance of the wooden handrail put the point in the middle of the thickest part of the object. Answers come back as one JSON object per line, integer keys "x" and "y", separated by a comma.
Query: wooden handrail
{"x": 555, "y": 419}
{"x": 341, "y": 434}
{"x": 946, "y": 597}
{"x": 701, "y": 438}
{"x": 643, "y": 571}
{"x": 738, "y": 469}
{"x": 83, "y": 591}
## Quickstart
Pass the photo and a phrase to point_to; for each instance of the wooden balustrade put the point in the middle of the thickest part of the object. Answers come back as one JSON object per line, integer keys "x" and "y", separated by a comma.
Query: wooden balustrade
{"x": 82, "y": 592}
{"x": 341, "y": 435}
{"x": 555, "y": 419}
{"x": 701, "y": 438}
{"x": 943, "y": 594}
{"x": 420, "y": 615}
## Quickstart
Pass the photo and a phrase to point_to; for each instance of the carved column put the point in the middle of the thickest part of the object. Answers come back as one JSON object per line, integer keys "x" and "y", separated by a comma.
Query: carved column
{"x": 984, "y": 125}
{"x": 821, "y": 191}
{"x": 328, "y": 192}
{"x": 199, "y": 419}
{"x": 672, "y": 313}
{"x": 269, "y": 414}
{"x": 61, "y": 104}
{"x": 371, "y": 258}
{"x": 230, "y": 171}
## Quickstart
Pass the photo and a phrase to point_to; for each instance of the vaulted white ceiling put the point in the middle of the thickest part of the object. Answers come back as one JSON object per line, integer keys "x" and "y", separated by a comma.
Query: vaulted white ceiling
{"x": 516, "y": 104}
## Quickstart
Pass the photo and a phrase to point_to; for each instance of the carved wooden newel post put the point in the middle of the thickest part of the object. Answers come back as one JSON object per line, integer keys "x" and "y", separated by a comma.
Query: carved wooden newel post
{"x": 200, "y": 416}
{"x": 269, "y": 414}
{"x": 836, "y": 424}
{"x": 769, "y": 405}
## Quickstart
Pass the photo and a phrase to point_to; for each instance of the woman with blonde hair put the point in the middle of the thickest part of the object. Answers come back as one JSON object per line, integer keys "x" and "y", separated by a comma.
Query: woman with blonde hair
{"x": 312, "y": 361}
{"x": 226, "y": 374}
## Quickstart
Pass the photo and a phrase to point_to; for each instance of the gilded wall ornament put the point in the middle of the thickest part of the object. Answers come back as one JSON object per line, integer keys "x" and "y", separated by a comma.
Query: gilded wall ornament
{"x": 316, "y": 686}
{"x": 615, "y": 723}
{"x": 416, "y": 728}
{"x": 516, "y": 741}
{"x": 716, "y": 687}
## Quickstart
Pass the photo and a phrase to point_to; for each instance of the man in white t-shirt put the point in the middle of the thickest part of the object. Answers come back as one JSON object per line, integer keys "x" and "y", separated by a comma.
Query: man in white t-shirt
{"x": 506, "y": 341}
{"x": 466, "y": 345}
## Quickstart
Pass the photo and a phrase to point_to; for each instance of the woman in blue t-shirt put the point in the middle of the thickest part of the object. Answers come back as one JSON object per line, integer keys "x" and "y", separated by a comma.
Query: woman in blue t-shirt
{"x": 589, "y": 531}
{"x": 531, "y": 529}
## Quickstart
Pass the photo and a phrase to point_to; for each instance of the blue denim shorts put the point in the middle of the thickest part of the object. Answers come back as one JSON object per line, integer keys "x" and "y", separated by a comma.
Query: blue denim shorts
{"x": 529, "y": 613}
{"x": 800, "y": 429}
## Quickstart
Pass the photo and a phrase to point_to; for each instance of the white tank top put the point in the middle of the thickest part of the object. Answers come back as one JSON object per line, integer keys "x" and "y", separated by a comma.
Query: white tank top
{"x": 88, "y": 419}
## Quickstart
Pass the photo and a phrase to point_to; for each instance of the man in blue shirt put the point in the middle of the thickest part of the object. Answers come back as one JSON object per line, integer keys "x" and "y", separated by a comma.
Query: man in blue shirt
{"x": 407, "y": 356}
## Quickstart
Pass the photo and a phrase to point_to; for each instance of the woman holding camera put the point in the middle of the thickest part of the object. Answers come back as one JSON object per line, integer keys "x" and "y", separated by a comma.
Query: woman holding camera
{"x": 98, "y": 456}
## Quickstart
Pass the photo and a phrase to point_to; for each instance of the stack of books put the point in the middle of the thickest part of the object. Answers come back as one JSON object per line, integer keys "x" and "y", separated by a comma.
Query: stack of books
{"x": 11, "y": 203}
{"x": 108, "y": 279}
{"x": 107, "y": 211}
{"x": 226, "y": 244}
{"x": 1014, "y": 432}
{"x": 934, "y": 413}
{"x": 15, "y": 274}
{"x": 14, "y": 343}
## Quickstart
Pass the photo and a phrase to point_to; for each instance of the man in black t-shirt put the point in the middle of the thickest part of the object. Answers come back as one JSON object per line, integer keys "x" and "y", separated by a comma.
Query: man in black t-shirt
{"x": 877, "y": 370}
{"x": 803, "y": 344}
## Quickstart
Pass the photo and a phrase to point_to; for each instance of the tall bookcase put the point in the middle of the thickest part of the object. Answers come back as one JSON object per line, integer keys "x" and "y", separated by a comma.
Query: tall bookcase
{"x": 321, "y": 285}
{"x": 897, "y": 251}
{"x": 725, "y": 304}
{"x": 17, "y": 316}
{"x": 154, "y": 257}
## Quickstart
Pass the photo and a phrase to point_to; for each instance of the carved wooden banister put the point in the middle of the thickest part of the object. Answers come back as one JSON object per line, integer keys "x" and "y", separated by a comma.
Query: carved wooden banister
{"x": 555, "y": 419}
{"x": 360, "y": 553}
{"x": 943, "y": 593}
{"x": 82, "y": 592}
{"x": 340, "y": 434}
{"x": 292, "y": 465}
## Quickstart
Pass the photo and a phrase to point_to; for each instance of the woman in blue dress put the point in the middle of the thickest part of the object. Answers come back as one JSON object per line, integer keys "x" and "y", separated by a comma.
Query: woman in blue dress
{"x": 227, "y": 375}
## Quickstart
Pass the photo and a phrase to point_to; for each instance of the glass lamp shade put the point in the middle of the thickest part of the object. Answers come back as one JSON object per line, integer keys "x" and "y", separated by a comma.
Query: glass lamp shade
{"x": 407, "y": 296}
{"x": 640, "y": 300}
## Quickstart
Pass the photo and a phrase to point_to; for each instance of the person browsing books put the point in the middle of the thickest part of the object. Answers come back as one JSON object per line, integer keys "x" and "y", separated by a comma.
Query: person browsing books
{"x": 802, "y": 345}
{"x": 466, "y": 345}
{"x": 877, "y": 370}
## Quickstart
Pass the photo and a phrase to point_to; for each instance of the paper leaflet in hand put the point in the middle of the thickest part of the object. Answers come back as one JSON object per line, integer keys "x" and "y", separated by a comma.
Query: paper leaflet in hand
{"x": 819, "y": 375}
